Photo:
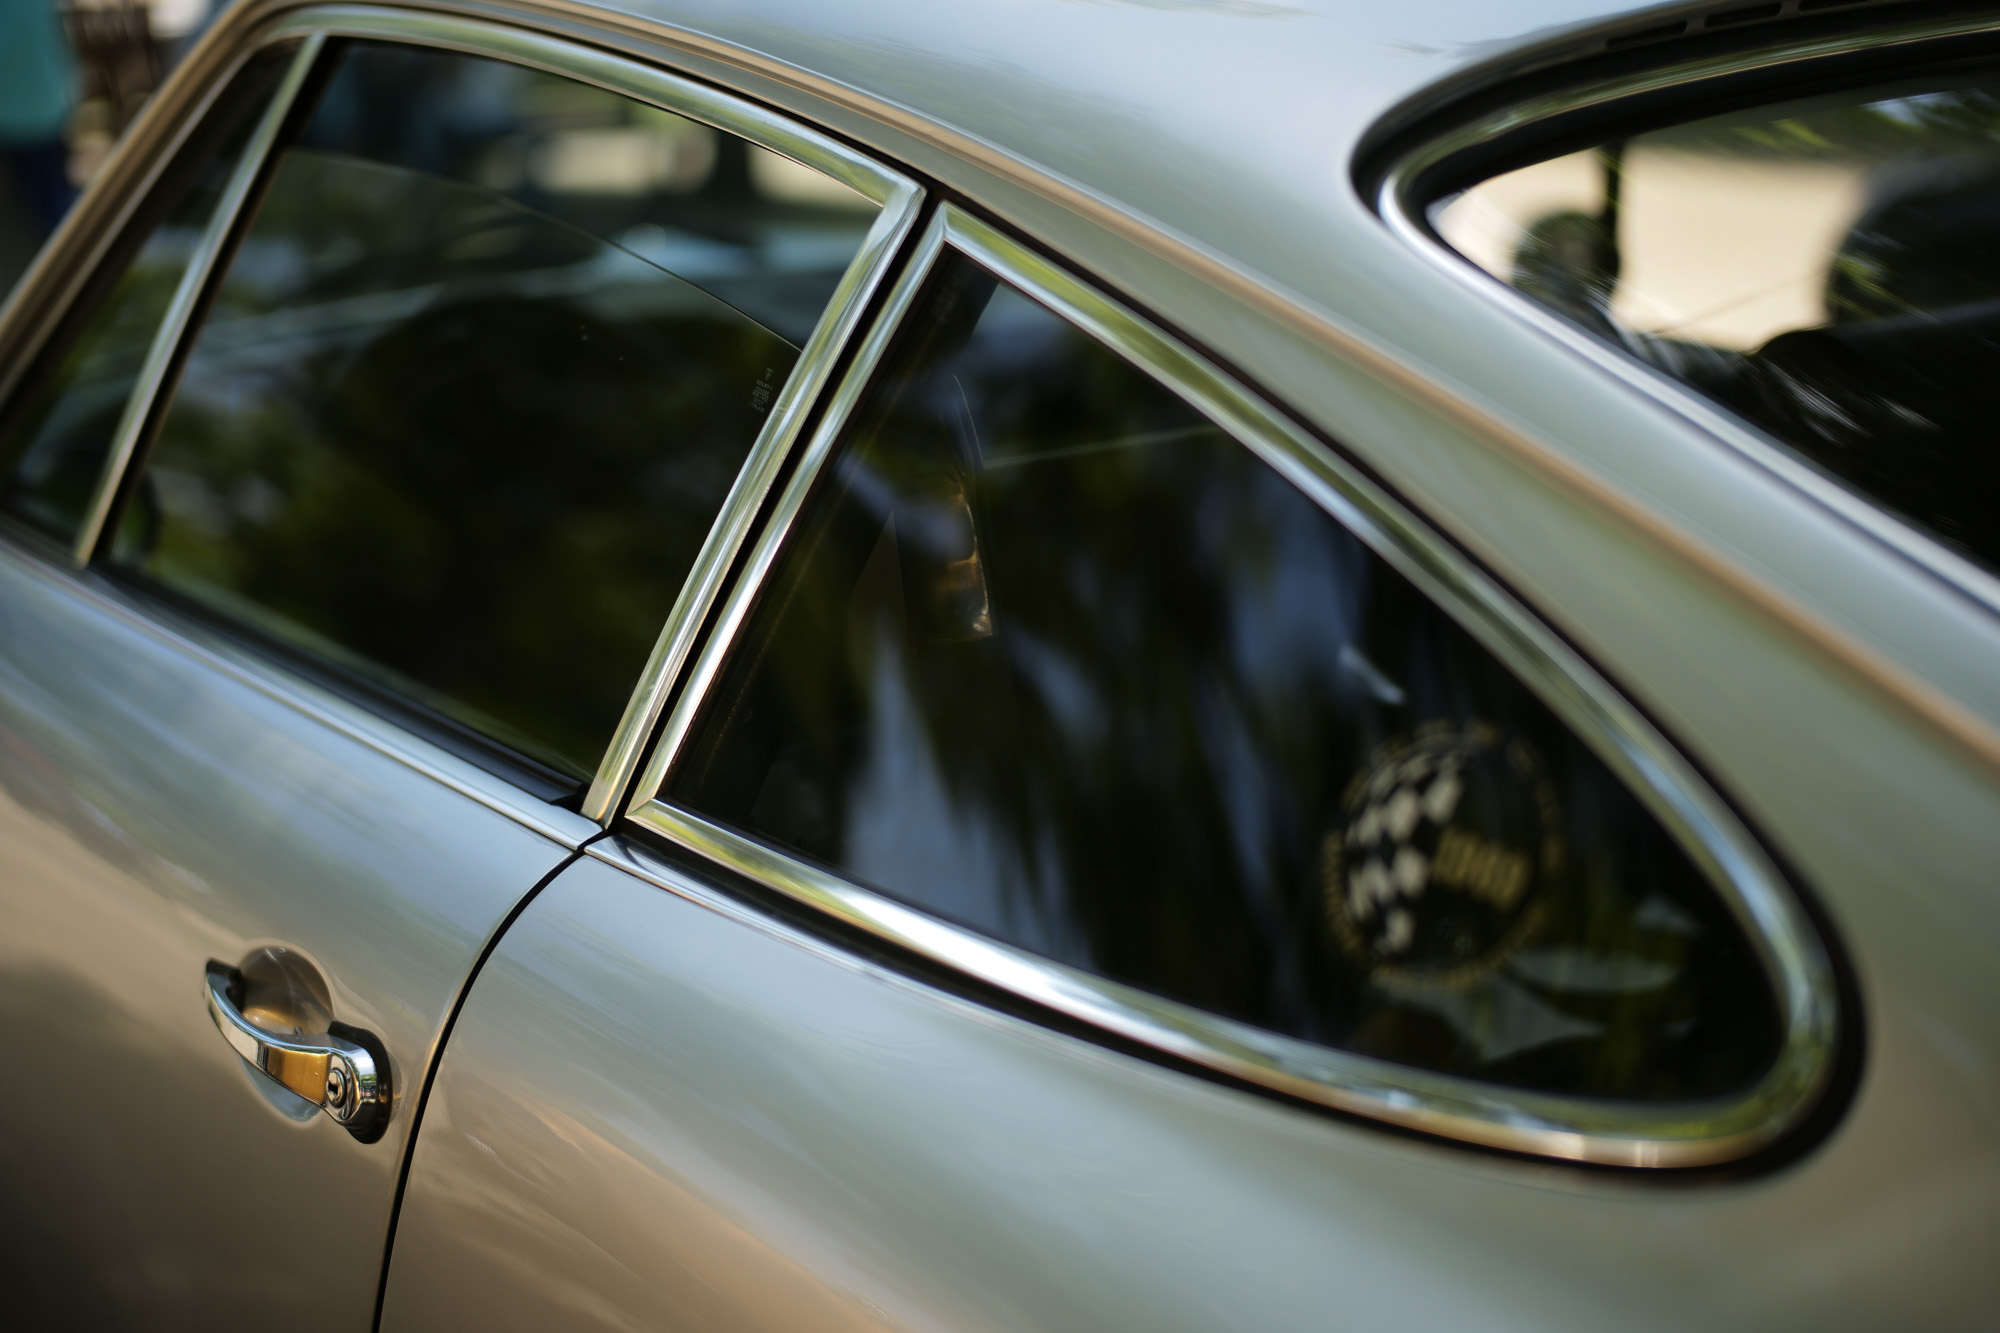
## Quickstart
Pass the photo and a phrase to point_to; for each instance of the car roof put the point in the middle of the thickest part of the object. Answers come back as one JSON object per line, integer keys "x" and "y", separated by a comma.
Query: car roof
{"x": 1202, "y": 115}
{"x": 1229, "y": 128}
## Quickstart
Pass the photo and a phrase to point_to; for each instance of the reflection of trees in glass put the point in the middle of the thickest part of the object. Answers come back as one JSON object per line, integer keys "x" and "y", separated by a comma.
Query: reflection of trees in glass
{"x": 61, "y": 430}
{"x": 1897, "y": 394}
{"x": 1053, "y": 657}
{"x": 460, "y": 448}
{"x": 1924, "y": 240}
{"x": 475, "y": 385}
{"x": 56, "y": 431}
{"x": 1877, "y": 125}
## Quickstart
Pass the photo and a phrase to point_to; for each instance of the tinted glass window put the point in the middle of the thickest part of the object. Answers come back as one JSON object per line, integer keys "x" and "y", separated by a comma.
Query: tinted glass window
{"x": 476, "y": 383}
{"x": 1051, "y": 656}
{"x": 1828, "y": 268}
{"x": 57, "y": 427}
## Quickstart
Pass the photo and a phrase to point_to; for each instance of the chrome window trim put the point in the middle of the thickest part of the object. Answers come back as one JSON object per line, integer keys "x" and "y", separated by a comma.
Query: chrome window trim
{"x": 180, "y": 309}
{"x": 246, "y": 667}
{"x": 896, "y": 196}
{"x": 735, "y": 608}
{"x": 1570, "y": 1128}
{"x": 1401, "y": 208}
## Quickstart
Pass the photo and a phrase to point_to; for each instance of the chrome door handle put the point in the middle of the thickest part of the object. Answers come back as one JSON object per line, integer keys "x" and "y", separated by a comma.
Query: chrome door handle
{"x": 339, "y": 1076}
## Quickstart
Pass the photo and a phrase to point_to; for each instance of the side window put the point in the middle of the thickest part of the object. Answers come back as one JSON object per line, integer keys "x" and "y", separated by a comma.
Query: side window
{"x": 1057, "y": 659}
{"x": 1829, "y": 268}
{"x": 56, "y": 429}
{"x": 1051, "y": 656}
{"x": 474, "y": 385}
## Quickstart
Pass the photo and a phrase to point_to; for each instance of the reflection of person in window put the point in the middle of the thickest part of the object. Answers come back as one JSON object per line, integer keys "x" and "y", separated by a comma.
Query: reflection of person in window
{"x": 37, "y": 87}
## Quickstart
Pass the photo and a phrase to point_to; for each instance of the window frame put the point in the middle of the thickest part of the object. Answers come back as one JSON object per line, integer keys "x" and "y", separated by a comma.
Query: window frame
{"x": 1779, "y": 63}
{"x": 897, "y": 196}
{"x": 1571, "y": 1128}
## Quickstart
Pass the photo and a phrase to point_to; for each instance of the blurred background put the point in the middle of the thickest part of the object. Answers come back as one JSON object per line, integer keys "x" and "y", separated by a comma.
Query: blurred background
{"x": 73, "y": 74}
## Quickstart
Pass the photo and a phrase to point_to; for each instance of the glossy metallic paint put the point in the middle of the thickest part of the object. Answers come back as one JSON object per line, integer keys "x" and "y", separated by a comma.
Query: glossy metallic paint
{"x": 663, "y": 1109}
{"x": 778, "y": 1130}
{"x": 1840, "y": 695}
{"x": 159, "y": 812}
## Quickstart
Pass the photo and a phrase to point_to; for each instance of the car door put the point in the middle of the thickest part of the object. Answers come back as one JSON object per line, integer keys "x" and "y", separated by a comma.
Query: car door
{"x": 1101, "y": 823}
{"x": 356, "y": 496}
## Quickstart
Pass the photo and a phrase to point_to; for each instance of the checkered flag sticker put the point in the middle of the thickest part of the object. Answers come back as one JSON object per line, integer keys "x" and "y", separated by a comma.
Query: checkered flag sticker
{"x": 1435, "y": 873}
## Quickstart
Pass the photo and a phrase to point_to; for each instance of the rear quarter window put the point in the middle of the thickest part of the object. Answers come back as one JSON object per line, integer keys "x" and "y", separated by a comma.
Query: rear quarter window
{"x": 1050, "y": 654}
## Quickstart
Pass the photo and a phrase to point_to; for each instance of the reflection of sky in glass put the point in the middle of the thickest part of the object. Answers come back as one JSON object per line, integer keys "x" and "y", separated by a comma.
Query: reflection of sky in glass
{"x": 1715, "y": 247}
{"x": 1728, "y": 229}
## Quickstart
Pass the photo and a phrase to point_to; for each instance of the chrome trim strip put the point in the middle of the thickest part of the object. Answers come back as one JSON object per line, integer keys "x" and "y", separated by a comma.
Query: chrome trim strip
{"x": 735, "y": 521}
{"x": 1570, "y": 1128}
{"x": 899, "y": 199}
{"x": 180, "y": 309}
{"x": 219, "y": 654}
{"x": 1403, "y": 212}
{"x": 736, "y": 607}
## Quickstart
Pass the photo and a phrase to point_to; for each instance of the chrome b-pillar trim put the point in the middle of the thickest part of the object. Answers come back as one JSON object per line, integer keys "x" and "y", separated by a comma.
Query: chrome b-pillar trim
{"x": 180, "y": 308}
{"x": 734, "y": 523}
{"x": 736, "y": 607}
{"x": 1621, "y": 1133}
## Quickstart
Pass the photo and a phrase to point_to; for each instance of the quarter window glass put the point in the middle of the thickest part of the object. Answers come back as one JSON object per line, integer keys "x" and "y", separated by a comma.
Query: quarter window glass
{"x": 1829, "y": 268}
{"x": 1050, "y": 655}
{"x": 476, "y": 382}
{"x": 56, "y": 429}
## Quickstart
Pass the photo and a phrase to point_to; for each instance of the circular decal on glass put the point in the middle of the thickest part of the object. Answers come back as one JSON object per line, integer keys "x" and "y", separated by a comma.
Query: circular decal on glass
{"x": 1436, "y": 874}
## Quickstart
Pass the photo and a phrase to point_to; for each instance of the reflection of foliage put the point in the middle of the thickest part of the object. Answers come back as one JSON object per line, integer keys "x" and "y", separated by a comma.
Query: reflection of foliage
{"x": 57, "y": 428}
{"x": 1839, "y": 127}
{"x": 1134, "y": 766}
{"x": 336, "y": 227}
{"x": 1897, "y": 393}
{"x": 483, "y": 487}
{"x": 1925, "y": 243}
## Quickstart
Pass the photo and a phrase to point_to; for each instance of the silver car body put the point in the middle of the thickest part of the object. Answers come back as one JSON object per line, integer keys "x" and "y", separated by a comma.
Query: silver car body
{"x": 661, "y": 1105}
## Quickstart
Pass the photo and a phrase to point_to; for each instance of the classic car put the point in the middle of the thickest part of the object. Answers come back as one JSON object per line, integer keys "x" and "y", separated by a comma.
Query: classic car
{"x": 1168, "y": 664}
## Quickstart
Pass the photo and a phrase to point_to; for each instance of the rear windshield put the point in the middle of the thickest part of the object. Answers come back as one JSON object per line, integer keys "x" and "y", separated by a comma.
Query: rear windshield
{"x": 1829, "y": 269}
